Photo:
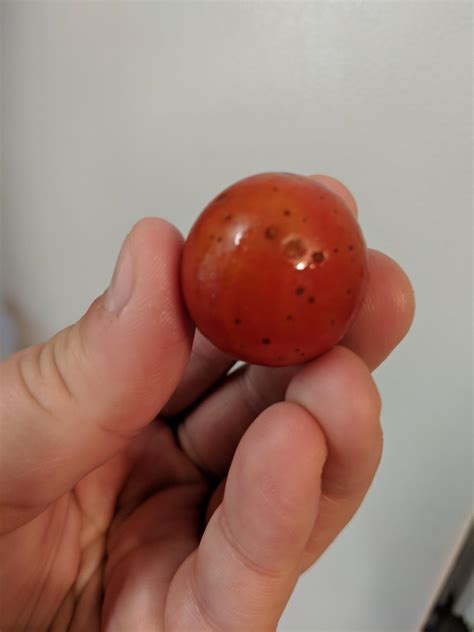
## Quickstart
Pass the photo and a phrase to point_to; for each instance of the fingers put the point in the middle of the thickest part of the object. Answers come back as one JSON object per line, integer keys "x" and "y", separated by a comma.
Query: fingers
{"x": 212, "y": 431}
{"x": 339, "y": 392}
{"x": 70, "y": 404}
{"x": 206, "y": 366}
{"x": 339, "y": 189}
{"x": 386, "y": 312}
{"x": 249, "y": 558}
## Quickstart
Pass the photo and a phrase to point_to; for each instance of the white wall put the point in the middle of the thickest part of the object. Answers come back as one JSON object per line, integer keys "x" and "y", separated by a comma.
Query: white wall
{"x": 117, "y": 110}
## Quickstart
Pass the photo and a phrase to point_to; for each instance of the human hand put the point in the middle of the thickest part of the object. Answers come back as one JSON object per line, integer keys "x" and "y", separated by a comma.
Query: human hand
{"x": 142, "y": 492}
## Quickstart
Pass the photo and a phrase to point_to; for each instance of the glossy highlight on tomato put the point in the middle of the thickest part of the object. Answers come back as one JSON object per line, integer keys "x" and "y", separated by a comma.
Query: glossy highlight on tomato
{"x": 274, "y": 269}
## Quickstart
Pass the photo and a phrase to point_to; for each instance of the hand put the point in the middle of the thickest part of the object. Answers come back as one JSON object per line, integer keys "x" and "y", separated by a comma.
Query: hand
{"x": 200, "y": 518}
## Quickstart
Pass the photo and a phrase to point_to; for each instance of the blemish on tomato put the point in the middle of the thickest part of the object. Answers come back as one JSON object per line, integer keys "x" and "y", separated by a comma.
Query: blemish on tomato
{"x": 271, "y": 232}
{"x": 294, "y": 249}
{"x": 317, "y": 257}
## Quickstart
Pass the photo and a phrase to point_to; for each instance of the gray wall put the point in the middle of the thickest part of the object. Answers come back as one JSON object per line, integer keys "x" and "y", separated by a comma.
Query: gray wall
{"x": 115, "y": 110}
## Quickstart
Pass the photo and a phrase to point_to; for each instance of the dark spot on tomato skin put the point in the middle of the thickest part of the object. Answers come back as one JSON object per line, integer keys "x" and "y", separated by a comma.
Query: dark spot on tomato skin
{"x": 350, "y": 247}
{"x": 271, "y": 232}
{"x": 289, "y": 317}
{"x": 296, "y": 349}
{"x": 335, "y": 211}
{"x": 305, "y": 219}
{"x": 221, "y": 197}
{"x": 302, "y": 354}
{"x": 294, "y": 249}
{"x": 287, "y": 212}
{"x": 317, "y": 257}
{"x": 299, "y": 291}
{"x": 335, "y": 251}
{"x": 211, "y": 236}
{"x": 349, "y": 290}
{"x": 322, "y": 197}
{"x": 274, "y": 189}
{"x": 311, "y": 299}
{"x": 227, "y": 217}
{"x": 237, "y": 321}
{"x": 266, "y": 341}
{"x": 219, "y": 239}
{"x": 332, "y": 321}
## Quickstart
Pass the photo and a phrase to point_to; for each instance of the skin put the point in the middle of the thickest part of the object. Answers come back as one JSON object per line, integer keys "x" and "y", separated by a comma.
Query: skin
{"x": 274, "y": 269}
{"x": 203, "y": 516}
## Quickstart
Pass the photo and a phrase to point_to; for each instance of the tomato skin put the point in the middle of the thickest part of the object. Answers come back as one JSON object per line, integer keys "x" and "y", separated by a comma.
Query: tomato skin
{"x": 274, "y": 269}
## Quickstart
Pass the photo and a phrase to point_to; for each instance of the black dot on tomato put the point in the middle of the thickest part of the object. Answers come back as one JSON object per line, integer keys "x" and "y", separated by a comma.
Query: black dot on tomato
{"x": 350, "y": 247}
{"x": 322, "y": 197}
{"x": 296, "y": 349}
{"x": 299, "y": 291}
{"x": 311, "y": 299}
{"x": 317, "y": 257}
{"x": 266, "y": 341}
{"x": 349, "y": 290}
{"x": 227, "y": 217}
{"x": 287, "y": 212}
{"x": 211, "y": 236}
{"x": 274, "y": 189}
{"x": 289, "y": 317}
{"x": 270, "y": 232}
{"x": 305, "y": 219}
{"x": 237, "y": 321}
{"x": 332, "y": 321}
{"x": 221, "y": 197}
{"x": 219, "y": 239}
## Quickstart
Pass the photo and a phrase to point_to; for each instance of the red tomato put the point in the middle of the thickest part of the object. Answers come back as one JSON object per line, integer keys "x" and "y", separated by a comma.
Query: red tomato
{"x": 274, "y": 269}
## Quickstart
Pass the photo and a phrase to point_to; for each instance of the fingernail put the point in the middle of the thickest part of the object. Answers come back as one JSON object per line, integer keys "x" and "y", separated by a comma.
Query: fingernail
{"x": 121, "y": 285}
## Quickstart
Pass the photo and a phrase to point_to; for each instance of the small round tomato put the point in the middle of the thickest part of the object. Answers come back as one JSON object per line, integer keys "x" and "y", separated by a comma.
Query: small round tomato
{"x": 274, "y": 269}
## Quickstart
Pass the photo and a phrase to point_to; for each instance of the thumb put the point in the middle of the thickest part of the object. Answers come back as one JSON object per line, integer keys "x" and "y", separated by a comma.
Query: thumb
{"x": 69, "y": 405}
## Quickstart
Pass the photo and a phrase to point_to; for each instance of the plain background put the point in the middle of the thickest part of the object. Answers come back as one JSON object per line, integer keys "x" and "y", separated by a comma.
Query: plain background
{"x": 112, "y": 111}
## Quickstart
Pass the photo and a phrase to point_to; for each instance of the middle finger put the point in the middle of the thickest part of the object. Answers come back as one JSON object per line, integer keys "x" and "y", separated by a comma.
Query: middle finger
{"x": 212, "y": 431}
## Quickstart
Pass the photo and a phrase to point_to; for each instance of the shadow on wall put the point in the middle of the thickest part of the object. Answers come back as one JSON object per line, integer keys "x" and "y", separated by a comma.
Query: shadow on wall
{"x": 9, "y": 330}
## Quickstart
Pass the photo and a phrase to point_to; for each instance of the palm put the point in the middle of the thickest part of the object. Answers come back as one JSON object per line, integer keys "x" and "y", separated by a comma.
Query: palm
{"x": 119, "y": 547}
{"x": 139, "y": 515}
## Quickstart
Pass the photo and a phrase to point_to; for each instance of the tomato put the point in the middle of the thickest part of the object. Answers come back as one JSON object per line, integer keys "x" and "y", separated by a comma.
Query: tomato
{"x": 274, "y": 269}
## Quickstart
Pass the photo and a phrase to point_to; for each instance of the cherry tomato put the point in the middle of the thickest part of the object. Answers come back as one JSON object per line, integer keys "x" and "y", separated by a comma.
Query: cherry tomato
{"x": 274, "y": 269}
